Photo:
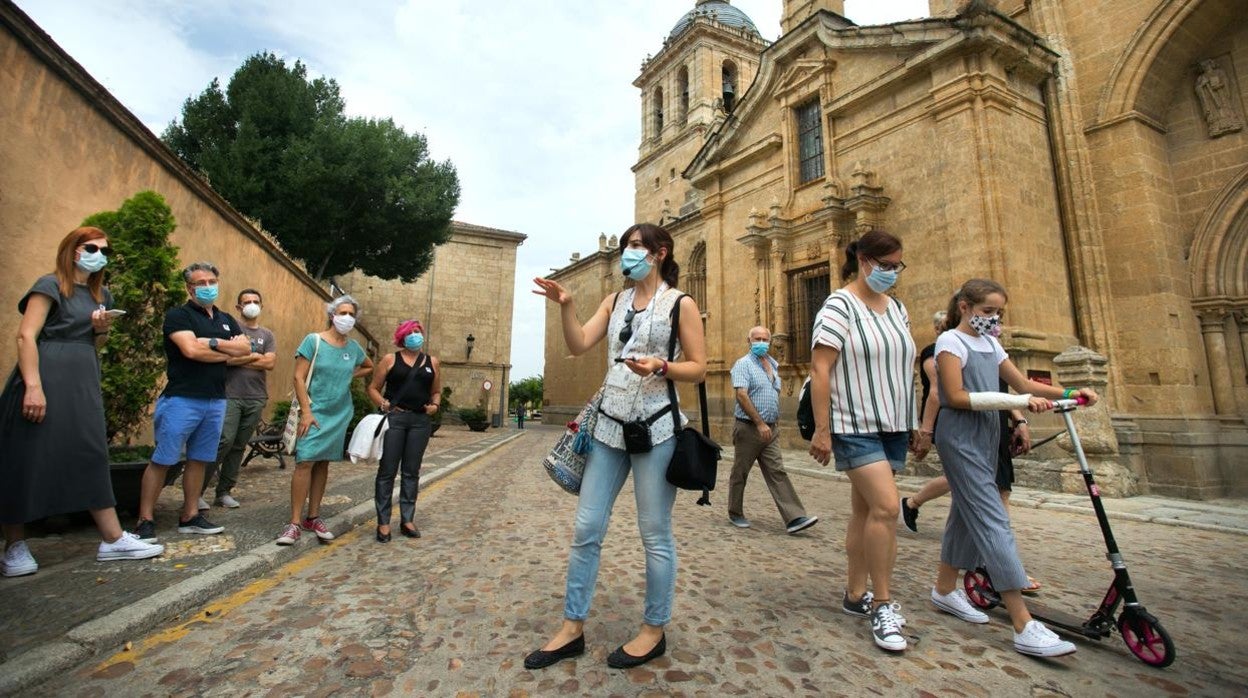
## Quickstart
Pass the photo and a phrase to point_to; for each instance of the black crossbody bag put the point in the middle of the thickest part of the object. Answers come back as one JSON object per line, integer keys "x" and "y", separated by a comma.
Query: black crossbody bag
{"x": 407, "y": 383}
{"x": 695, "y": 461}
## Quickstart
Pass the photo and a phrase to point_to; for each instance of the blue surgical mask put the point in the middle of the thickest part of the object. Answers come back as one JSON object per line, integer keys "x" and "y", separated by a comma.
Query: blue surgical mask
{"x": 206, "y": 295}
{"x": 91, "y": 262}
{"x": 759, "y": 348}
{"x": 634, "y": 265}
{"x": 414, "y": 341}
{"x": 880, "y": 280}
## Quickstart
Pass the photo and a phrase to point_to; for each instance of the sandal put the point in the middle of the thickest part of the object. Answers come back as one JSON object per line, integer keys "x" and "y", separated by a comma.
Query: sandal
{"x": 1033, "y": 587}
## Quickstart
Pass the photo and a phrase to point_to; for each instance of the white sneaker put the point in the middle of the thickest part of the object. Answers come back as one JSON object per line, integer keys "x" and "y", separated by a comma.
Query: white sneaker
{"x": 128, "y": 547}
{"x": 885, "y": 629}
{"x": 956, "y": 603}
{"x": 1038, "y": 641}
{"x": 227, "y": 501}
{"x": 18, "y": 561}
{"x": 203, "y": 504}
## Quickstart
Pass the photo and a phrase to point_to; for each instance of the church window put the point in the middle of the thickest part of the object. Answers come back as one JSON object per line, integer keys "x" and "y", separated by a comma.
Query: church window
{"x": 808, "y": 289}
{"x": 656, "y": 182}
{"x": 729, "y": 79}
{"x": 658, "y": 113}
{"x": 682, "y": 93}
{"x": 810, "y": 141}
{"x": 695, "y": 277}
{"x": 671, "y": 174}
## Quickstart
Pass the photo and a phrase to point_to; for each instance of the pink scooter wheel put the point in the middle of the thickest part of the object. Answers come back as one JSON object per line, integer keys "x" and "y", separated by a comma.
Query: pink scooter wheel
{"x": 1146, "y": 639}
{"x": 979, "y": 589}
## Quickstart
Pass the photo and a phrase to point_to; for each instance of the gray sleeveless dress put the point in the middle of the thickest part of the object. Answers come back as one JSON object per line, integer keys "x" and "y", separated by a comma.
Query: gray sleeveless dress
{"x": 977, "y": 531}
{"x": 61, "y": 464}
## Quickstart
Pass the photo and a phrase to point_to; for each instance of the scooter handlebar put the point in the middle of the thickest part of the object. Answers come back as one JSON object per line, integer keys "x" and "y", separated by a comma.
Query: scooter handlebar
{"x": 1077, "y": 401}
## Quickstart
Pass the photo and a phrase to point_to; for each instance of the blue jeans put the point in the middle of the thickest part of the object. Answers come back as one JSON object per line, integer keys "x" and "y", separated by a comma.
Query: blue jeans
{"x": 605, "y": 473}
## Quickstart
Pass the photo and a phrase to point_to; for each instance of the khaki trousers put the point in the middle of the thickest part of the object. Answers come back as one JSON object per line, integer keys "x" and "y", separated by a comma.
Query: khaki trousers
{"x": 749, "y": 447}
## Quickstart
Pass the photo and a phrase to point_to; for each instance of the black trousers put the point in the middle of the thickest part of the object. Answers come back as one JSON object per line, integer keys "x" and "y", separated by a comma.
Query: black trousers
{"x": 404, "y": 444}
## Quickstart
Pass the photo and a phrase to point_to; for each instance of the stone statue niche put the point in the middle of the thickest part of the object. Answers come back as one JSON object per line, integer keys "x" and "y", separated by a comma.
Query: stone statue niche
{"x": 1217, "y": 98}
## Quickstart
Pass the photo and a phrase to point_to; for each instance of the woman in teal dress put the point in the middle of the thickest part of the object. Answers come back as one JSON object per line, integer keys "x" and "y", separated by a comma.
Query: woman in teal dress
{"x": 334, "y": 360}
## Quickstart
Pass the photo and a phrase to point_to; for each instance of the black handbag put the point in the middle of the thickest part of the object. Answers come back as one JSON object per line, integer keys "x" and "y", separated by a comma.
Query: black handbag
{"x": 695, "y": 461}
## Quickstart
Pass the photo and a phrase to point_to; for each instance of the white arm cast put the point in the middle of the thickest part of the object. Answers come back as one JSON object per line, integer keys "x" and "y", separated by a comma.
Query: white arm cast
{"x": 999, "y": 401}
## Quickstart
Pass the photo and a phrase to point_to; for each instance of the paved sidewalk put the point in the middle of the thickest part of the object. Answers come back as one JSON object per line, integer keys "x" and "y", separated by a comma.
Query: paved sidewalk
{"x": 75, "y": 606}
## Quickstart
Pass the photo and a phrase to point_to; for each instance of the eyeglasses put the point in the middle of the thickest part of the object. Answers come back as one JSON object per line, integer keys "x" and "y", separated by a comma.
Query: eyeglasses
{"x": 885, "y": 266}
{"x": 93, "y": 248}
{"x": 627, "y": 332}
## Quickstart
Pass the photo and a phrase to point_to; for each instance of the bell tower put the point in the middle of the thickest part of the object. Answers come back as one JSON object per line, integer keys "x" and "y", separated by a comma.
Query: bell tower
{"x": 796, "y": 11}
{"x": 693, "y": 83}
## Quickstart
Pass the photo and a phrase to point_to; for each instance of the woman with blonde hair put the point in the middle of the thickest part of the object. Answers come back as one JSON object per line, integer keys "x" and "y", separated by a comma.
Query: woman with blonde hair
{"x": 53, "y": 443}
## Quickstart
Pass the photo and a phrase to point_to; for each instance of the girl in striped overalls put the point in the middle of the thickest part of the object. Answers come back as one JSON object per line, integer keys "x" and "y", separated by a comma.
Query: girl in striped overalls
{"x": 969, "y": 361}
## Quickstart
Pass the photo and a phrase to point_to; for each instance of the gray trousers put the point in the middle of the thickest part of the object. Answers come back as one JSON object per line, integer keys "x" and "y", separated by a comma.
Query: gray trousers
{"x": 241, "y": 418}
{"x": 748, "y": 447}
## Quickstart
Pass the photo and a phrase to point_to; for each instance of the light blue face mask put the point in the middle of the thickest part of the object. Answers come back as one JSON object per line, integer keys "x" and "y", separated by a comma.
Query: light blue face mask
{"x": 414, "y": 341}
{"x": 206, "y": 295}
{"x": 759, "y": 348}
{"x": 634, "y": 265}
{"x": 880, "y": 280}
{"x": 91, "y": 262}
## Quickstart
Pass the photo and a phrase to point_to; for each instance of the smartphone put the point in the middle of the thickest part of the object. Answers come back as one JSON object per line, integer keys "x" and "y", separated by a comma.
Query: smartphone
{"x": 622, "y": 359}
{"x": 115, "y": 313}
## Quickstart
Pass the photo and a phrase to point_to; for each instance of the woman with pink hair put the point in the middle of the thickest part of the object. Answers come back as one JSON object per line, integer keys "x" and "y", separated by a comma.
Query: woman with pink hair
{"x": 407, "y": 386}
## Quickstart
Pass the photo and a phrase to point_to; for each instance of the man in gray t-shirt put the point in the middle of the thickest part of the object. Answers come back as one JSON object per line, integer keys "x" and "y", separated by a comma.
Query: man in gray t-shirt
{"x": 246, "y": 392}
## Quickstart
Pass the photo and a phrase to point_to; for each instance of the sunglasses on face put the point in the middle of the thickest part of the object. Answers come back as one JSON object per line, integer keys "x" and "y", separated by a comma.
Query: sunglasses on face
{"x": 93, "y": 248}
{"x": 626, "y": 333}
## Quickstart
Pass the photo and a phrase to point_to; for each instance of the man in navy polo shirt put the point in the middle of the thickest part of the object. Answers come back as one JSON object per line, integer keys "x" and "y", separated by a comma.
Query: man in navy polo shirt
{"x": 199, "y": 339}
{"x": 756, "y": 379}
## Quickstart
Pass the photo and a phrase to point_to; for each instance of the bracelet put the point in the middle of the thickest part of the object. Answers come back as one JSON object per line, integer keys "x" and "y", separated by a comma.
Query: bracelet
{"x": 662, "y": 369}
{"x": 1019, "y": 421}
{"x": 1067, "y": 393}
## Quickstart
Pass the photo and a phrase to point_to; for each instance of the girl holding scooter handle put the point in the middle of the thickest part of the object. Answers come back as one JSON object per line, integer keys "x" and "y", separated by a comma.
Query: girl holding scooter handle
{"x": 969, "y": 363}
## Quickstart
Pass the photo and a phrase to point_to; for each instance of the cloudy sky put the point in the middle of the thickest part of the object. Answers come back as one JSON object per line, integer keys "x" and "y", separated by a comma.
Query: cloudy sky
{"x": 531, "y": 99}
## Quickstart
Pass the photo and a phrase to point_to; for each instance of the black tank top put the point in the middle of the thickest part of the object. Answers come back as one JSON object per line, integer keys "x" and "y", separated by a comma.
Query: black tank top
{"x": 418, "y": 395}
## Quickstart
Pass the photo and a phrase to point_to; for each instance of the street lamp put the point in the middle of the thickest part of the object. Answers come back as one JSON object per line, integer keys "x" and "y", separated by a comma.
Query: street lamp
{"x": 471, "y": 340}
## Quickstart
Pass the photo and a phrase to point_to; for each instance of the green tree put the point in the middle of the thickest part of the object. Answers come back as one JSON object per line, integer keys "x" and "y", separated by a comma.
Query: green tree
{"x": 144, "y": 280}
{"x": 339, "y": 193}
{"x": 527, "y": 391}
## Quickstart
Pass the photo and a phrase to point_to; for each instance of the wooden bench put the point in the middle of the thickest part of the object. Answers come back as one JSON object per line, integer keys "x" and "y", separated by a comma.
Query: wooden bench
{"x": 266, "y": 443}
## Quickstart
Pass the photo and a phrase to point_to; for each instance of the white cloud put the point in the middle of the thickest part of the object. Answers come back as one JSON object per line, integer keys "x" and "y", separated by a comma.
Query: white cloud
{"x": 533, "y": 101}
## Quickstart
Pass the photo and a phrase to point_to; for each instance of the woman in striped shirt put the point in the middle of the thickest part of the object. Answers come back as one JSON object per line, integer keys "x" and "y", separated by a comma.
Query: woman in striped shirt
{"x": 862, "y": 359}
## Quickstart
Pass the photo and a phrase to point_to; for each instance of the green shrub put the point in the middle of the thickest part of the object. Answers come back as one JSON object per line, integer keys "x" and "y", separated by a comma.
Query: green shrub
{"x": 143, "y": 276}
{"x": 281, "y": 410}
{"x": 471, "y": 415}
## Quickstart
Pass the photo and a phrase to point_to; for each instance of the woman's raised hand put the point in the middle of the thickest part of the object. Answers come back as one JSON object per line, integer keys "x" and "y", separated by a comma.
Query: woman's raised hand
{"x": 552, "y": 290}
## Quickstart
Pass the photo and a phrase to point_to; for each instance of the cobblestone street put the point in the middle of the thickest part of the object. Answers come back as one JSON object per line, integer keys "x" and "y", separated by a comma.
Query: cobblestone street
{"x": 757, "y": 611}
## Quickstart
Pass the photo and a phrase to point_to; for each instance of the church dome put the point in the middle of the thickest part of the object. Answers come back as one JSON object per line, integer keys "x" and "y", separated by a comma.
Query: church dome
{"x": 721, "y": 11}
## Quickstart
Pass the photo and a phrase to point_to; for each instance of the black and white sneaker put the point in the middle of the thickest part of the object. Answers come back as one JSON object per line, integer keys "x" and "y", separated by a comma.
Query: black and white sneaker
{"x": 860, "y": 608}
{"x": 201, "y": 525}
{"x": 801, "y": 523}
{"x": 886, "y": 630}
{"x": 146, "y": 531}
{"x": 910, "y": 517}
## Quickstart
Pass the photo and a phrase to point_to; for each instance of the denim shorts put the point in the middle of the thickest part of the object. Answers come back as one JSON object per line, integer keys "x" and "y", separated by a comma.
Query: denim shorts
{"x": 187, "y": 424}
{"x": 856, "y": 450}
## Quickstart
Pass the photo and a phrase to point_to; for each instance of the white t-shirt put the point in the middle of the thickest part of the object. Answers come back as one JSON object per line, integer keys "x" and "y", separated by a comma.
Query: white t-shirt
{"x": 948, "y": 342}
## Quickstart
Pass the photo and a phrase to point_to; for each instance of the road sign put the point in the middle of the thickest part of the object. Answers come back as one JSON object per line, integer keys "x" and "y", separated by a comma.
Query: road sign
{"x": 486, "y": 386}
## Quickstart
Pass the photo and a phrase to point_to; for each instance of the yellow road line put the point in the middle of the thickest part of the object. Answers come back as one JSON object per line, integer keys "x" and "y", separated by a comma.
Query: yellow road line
{"x": 216, "y": 610}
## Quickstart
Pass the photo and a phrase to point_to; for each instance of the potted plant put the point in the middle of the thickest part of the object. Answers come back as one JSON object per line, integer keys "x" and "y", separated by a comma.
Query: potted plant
{"x": 474, "y": 417}
{"x": 143, "y": 278}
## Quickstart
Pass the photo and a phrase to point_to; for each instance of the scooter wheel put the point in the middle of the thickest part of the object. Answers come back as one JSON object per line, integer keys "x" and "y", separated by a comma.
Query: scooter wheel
{"x": 979, "y": 589}
{"x": 1146, "y": 639}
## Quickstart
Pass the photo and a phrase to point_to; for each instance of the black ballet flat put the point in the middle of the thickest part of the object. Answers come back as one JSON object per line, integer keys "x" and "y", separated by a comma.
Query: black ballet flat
{"x": 382, "y": 537}
{"x": 412, "y": 532}
{"x": 619, "y": 659}
{"x": 543, "y": 658}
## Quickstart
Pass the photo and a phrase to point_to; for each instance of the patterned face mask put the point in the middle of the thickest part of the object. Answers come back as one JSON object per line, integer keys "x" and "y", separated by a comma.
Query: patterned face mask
{"x": 986, "y": 324}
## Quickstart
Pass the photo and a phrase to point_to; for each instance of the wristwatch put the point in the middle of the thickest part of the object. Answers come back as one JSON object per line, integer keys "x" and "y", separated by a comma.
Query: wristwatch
{"x": 212, "y": 343}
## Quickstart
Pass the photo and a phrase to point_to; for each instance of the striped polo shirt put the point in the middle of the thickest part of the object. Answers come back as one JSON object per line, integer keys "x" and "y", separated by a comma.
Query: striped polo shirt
{"x": 873, "y": 378}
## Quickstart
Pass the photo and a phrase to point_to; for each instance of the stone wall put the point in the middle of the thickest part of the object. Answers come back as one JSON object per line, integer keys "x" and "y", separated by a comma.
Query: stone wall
{"x": 69, "y": 149}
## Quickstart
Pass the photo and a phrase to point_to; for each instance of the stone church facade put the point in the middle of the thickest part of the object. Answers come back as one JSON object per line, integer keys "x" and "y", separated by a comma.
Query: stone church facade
{"x": 1091, "y": 155}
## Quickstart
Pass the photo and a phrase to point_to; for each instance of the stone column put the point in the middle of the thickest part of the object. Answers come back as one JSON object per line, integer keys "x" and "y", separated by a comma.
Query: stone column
{"x": 1238, "y": 343}
{"x": 1213, "y": 327}
{"x": 1080, "y": 367}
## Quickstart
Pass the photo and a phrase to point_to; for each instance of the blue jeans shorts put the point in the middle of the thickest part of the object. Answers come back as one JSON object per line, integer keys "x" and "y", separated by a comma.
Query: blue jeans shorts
{"x": 189, "y": 424}
{"x": 856, "y": 450}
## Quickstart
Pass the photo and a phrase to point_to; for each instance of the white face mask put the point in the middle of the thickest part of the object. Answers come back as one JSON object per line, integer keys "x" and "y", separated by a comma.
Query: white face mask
{"x": 344, "y": 324}
{"x": 251, "y": 311}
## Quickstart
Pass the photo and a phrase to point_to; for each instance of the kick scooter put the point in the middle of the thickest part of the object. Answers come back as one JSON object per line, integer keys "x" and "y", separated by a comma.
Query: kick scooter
{"x": 1142, "y": 632}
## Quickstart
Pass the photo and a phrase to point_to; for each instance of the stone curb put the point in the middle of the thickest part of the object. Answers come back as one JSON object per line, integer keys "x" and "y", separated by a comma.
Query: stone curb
{"x": 94, "y": 637}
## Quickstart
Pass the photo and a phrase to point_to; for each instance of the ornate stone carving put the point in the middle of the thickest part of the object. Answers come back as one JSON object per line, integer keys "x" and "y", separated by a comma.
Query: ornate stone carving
{"x": 1217, "y": 103}
{"x": 1081, "y": 367}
